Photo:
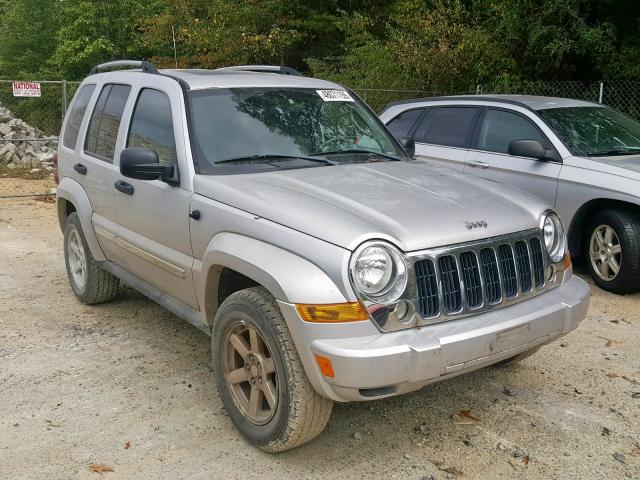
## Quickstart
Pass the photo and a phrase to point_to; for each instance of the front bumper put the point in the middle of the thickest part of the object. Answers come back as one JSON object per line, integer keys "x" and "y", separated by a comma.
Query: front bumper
{"x": 369, "y": 364}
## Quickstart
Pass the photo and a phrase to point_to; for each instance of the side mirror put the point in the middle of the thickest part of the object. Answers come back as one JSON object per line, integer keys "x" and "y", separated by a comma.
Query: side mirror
{"x": 143, "y": 164}
{"x": 409, "y": 145}
{"x": 528, "y": 148}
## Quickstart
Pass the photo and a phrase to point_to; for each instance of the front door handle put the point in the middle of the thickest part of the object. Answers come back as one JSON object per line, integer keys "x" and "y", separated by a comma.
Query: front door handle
{"x": 124, "y": 187}
{"x": 477, "y": 163}
{"x": 80, "y": 168}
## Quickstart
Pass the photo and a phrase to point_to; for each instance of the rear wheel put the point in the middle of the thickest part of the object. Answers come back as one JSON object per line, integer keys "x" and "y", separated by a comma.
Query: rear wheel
{"x": 260, "y": 376}
{"x": 89, "y": 281}
{"x": 613, "y": 251}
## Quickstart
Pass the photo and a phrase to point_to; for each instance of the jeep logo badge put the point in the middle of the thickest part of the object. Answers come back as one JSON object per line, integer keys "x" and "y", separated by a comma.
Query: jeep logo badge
{"x": 478, "y": 224}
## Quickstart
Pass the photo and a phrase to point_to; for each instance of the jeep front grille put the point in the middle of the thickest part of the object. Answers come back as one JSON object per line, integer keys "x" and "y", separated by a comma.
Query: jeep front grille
{"x": 464, "y": 279}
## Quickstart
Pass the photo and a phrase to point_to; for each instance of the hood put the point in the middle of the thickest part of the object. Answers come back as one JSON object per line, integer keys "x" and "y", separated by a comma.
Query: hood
{"x": 411, "y": 204}
{"x": 621, "y": 165}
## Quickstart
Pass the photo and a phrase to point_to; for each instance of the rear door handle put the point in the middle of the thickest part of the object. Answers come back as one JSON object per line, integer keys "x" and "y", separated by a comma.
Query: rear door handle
{"x": 477, "y": 163}
{"x": 80, "y": 168}
{"x": 124, "y": 187}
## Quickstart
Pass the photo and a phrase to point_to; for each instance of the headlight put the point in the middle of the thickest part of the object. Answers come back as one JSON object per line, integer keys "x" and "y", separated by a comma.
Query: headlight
{"x": 378, "y": 272}
{"x": 554, "y": 238}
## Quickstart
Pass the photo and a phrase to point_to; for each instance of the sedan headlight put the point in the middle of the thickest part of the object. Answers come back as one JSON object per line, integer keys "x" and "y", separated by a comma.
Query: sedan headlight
{"x": 554, "y": 237}
{"x": 378, "y": 272}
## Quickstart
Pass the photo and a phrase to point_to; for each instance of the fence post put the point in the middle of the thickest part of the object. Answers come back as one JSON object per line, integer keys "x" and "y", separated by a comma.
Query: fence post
{"x": 601, "y": 92}
{"x": 64, "y": 98}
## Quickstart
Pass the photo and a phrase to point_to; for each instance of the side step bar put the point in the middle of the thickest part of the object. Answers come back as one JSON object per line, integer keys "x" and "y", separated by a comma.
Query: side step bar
{"x": 176, "y": 307}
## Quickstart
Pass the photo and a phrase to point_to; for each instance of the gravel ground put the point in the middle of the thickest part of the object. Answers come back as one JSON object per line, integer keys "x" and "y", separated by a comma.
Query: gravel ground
{"x": 129, "y": 386}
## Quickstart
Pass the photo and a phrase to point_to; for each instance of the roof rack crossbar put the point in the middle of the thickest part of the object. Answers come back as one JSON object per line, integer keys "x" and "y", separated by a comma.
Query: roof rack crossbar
{"x": 146, "y": 67}
{"x": 261, "y": 68}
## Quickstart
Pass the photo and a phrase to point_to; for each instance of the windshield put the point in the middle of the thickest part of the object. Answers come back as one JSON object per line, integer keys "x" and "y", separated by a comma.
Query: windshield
{"x": 594, "y": 131}
{"x": 258, "y": 129}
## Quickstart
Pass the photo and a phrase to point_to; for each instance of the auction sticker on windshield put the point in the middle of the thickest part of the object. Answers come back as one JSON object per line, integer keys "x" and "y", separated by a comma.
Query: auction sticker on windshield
{"x": 335, "y": 96}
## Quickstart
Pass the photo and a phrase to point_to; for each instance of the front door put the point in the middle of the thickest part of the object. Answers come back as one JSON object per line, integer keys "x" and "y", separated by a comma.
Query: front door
{"x": 153, "y": 216}
{"x": 489, "y": 157}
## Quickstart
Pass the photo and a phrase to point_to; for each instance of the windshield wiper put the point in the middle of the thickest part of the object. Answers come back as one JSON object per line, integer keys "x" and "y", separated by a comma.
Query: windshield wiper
{"x": 616, "y": 151}
{"x": 276, "y": 157}
{"x": 359, "y": 150}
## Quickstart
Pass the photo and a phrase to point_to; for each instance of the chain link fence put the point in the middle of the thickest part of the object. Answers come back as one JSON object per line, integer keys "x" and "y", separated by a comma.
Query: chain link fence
{"x": 46, "y": 112}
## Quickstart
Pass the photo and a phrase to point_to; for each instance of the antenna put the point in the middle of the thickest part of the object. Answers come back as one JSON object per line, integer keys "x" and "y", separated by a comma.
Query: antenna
{"x": 175, "y": 54}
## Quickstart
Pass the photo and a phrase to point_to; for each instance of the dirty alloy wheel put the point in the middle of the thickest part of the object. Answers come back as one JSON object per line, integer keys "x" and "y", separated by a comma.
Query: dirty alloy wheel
{"x": 260, "y": 376}
{"x": 89, "y": 281}
{"x": 250, "y": 372}
{"x": 612, "y": 250}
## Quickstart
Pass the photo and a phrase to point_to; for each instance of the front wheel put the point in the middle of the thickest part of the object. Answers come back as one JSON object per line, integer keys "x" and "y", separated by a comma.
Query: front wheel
{"x": 613, "y": 251}
{"x": 260, "y": 376}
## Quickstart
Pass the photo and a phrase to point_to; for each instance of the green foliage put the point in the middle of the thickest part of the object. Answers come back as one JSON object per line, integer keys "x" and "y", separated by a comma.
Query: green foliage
{"x": 443, "y": 46}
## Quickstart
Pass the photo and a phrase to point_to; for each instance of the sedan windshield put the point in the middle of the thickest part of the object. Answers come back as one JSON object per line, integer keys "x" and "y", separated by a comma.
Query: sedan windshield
{"x": 594, "y": 131}
{"x": 258, "y": 129}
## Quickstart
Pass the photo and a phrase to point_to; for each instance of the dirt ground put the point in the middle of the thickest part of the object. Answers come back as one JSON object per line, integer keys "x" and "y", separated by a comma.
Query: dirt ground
{"x": 128, "y": 385}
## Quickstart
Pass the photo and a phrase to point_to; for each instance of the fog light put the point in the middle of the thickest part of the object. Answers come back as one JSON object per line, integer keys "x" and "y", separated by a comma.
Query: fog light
{"x": 550, "y": 273}
{"x": 401, "y": 309}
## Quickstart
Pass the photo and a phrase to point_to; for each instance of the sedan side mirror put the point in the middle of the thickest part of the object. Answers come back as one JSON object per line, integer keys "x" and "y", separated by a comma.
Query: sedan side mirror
{"x": 409, "y": 145}
{"x": 528, "y": 148}
{"x": 143, "y": 164}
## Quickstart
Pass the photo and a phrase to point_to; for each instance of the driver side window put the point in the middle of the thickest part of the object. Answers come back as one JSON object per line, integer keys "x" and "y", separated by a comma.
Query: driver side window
{"x": 500, "y": 128}
{"x": 152, "y": 125}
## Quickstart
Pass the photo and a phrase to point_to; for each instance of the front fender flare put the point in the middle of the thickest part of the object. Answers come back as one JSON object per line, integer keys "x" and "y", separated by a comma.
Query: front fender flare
{"x": 72, "y": 191}
{"x": 288, "y": 277}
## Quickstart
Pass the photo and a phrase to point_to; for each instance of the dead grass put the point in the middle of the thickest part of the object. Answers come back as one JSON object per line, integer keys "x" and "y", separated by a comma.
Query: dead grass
{"x": 26, "y": 173}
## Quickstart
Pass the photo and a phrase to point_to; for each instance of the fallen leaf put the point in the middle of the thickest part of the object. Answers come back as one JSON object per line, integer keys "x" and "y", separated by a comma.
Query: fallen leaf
{"x": 612, "y": 375}
{"x": 127, "y": 445}
{"x": 469, "y": 415}
{"x": 99, "y": 468}
{"x": 53, "y": 423}
{"x": 636, "y": 451}
{"x": 526, "y": 459}
{"x": 609, "y": 343}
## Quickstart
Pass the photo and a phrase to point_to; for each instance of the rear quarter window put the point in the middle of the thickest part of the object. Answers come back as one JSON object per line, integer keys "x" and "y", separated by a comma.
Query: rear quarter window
{"x": 78, "y": 108}
{"x": 401, "y": 125}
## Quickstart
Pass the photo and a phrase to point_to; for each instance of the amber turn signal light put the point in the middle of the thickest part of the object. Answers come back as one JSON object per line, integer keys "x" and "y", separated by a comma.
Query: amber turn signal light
{"x": 566, "y": 261}
{"x": 333, "y": 312}
{"x": 325, "y": 365}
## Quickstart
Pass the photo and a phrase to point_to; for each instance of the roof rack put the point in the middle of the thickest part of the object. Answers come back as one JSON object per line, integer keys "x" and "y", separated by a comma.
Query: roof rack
{"x": 261, "y": 68}
{"x": 146, "y": 67}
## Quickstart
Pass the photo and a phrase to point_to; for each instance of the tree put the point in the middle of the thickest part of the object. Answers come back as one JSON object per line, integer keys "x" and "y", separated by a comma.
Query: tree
{"x": 28, "y": 32}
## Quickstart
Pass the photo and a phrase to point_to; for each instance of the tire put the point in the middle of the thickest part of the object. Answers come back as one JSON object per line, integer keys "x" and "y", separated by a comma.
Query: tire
{"x": 299, "y": 413}
{"x": 93, "y": 284}
{"x": 516, "y": 358}
{"x": 623, "y": 250}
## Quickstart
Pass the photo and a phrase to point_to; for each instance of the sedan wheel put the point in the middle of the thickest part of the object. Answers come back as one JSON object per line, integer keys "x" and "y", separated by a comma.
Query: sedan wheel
{"x": 612, "y": 247}
{"x": 605, "y": 252}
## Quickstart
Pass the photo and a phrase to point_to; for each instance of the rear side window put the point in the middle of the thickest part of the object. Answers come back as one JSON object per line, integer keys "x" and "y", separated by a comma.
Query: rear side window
{"x": 500, "y": 128}
{"x": 152, "y": 125}
{"x": 447, "y": 126}
{"x": 75, "y": 116}
{"x": 401, "y": 125}
{"x": 105, "y": 121}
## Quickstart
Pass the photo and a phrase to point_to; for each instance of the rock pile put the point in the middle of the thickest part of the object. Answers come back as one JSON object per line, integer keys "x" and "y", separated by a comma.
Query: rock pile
{"x": 16, "y": 153}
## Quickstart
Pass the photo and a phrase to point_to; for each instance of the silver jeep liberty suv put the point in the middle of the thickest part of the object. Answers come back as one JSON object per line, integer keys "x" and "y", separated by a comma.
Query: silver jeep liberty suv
{"x": 277, "y": 214}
